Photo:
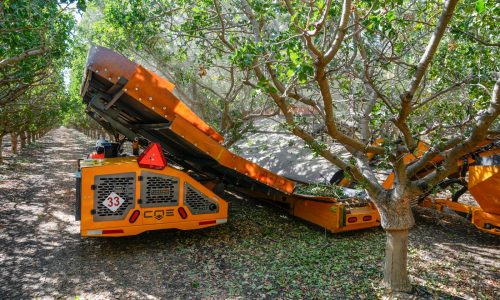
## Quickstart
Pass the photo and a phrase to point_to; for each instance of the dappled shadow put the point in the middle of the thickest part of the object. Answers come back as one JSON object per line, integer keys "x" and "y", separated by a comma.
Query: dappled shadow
{"x": 448, "y": 252}
{"x": 260, "y": 253}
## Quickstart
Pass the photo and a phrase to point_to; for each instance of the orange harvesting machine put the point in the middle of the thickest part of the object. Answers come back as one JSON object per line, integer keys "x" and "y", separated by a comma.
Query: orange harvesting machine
{"x": 173, "y": 183}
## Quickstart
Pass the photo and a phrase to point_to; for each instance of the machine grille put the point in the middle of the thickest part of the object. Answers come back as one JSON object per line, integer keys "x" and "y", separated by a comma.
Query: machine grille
{"x": 159, "y": 190}
{"x": 122, "y": 184}
{"x": 197, "y": 202}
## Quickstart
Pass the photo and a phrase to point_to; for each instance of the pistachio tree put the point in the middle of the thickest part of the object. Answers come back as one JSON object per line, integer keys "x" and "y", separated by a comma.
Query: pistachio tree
{"x": 32, "y": 114}
{"x": 34, "y": 43}
{"x": 34, "y": 35}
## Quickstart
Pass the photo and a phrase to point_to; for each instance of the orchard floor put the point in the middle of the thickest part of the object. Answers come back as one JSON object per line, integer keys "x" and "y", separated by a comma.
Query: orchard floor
{"x": 260, "y": 253}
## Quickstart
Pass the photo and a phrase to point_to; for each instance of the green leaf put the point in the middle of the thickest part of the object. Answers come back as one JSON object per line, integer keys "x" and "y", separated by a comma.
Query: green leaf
{"x": 480, "y": 6}
{"x": 390, "y": 16}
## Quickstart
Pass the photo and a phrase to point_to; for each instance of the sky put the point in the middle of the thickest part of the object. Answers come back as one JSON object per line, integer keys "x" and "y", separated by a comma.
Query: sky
{"x": 66, "y": 71}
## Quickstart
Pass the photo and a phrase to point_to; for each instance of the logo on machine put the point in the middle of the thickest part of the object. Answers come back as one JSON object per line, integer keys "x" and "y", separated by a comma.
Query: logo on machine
{"x": 157, "y": 214}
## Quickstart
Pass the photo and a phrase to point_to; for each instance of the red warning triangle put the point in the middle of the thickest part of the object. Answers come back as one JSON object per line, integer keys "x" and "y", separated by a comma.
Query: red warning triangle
{"x": 152, "y": 158}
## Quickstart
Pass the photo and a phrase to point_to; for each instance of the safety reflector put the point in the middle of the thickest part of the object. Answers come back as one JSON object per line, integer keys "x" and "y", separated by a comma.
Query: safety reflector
{"x": 134, "y": 216}
{"x": 106, "y": 231}
{"x": 152, "y": 158}
{"x": 182, "y": 212}
{"x": 92, "y": 232}
{"x": 367, "y": 218}
{"x": 112, "y": 231}
{"x": 352, "y": 219}
{"x": 219, "y": 221}
{"x": 207, "y": 222}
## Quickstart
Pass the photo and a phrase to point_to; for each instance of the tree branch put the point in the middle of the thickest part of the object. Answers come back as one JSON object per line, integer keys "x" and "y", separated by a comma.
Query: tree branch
{"x": 24, "y": 55}
{"x": 425, "y": 60}
{"x": 478, "y": 134}
{"x": 444, "y": 91}
{"x": 339, "y": 37}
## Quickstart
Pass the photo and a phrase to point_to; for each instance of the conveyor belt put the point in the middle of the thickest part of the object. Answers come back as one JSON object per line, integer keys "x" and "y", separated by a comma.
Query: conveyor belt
{"x": 124, "y": 96}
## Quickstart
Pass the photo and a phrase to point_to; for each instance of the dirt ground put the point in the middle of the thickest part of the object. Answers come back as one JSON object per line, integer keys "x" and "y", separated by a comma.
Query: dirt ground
{"x": 259, "y": 253}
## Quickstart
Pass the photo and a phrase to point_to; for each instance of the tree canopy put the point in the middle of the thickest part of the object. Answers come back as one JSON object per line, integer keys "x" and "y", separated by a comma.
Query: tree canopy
{"x": 405, "y": 71}
{"x": 35, "y": 40}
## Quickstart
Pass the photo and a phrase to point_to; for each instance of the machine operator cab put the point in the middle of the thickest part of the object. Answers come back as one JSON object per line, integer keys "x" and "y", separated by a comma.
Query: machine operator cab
{"x": 105, "y": 149}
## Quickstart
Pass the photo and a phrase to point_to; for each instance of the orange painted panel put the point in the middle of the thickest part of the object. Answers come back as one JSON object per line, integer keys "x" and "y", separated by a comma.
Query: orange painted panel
{"x": 197, "y": 138}
{"x": 484, "y": 185}
{"x": 389, "y": 181}
{"x": 377, "y": 143}
{"x": 327, "y": 215}
{"x": 421, "y": 149}
{"x": 481, "y": 218}
{"x": 156, "y": 93}
{"x": 323, "y": 214}
{"x": 359, "y": 213}
{"x": 90, "y": 169}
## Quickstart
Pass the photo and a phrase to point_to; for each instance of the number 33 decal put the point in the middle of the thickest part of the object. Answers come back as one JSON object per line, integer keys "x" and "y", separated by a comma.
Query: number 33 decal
{"x": 113, "y": 201}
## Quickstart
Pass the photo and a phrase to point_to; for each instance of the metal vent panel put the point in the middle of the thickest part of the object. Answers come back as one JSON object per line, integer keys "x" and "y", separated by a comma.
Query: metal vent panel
{"x": 122, "y": 184}
{"x": 197, "y": 202}
{"x": 159, "y": 190}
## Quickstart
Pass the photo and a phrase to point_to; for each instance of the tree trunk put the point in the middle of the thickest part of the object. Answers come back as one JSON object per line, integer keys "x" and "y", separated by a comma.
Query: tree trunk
{"x": 397, "y": 219}
{"x": 29, "y": 137}
{"x": 1, "y": 148}
{"x": 395, "y": 267}
{"x": 13, "y": 140}
{"x": 22, "y": 135}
